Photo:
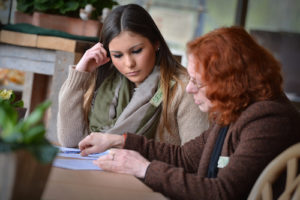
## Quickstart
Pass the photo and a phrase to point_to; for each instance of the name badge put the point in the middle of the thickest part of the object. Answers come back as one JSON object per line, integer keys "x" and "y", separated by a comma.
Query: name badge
{"x": 223, "y": 161}
{"x": 158, "y": 96}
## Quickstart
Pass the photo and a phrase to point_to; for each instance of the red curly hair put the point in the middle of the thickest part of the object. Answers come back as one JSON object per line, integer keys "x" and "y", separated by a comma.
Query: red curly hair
{"x": 237, "y": 71}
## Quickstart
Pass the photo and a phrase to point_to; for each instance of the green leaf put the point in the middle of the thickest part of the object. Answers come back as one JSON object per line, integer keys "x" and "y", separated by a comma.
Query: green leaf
{"x": 44, "y": 5}
{"x": 69, "y": 6}
{"x": 12, "y": 97}
{"x": 36, "y": 115}
{"x": 58, "y": 4}
{"x": 25, "y": 6}
{"x": 25, "y": 134}
{"x": 8, "y": 118}
{"x": 18, "y": 104}
{"x": 34, "y": 134}
{"x": 64, "y": 7}
{"x": 44, "y": 153}
{"x": 13, "y": 137}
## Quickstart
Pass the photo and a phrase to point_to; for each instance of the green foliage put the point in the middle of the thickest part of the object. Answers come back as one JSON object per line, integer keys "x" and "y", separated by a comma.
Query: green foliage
{"x": 63, "y": 7}
{"x": 10, "y": 97}
{"x": 28, "y": 133}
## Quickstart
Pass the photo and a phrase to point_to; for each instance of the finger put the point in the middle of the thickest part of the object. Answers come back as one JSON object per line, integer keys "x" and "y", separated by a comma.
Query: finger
{"x": 112, "y": 151}
{"x": 106, "y": 60}
{"x": 106, "y": 165}
{"x": 94, "y": 54}
{"x": 115, "y": 150}
{"x": 101, "y": 165}
{"x": 107, "y": 157}
{"x": 103, "y": 51}
{"x": 99, "y": 57}
{"x": 89, "y": 150}
{"x": 84, "y": 143}
{"x": 96, "y": 46}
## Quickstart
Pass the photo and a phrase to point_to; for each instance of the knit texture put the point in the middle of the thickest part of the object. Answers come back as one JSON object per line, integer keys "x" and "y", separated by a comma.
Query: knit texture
{"x": 185, "y": 119}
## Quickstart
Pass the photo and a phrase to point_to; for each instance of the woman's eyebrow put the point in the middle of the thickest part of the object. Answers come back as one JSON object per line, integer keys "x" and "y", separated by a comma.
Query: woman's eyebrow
{"x": 134, "y": 46}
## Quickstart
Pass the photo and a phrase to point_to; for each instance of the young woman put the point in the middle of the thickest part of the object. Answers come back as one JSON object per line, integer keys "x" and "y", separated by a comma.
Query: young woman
{"x": 128, "y": 82}
{"x": 240, "y": 84}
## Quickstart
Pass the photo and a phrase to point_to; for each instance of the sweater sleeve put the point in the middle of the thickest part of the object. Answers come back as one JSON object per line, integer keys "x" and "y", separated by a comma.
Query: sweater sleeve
{"x": 175, "y": 155}
{"x": 71, "y": 127}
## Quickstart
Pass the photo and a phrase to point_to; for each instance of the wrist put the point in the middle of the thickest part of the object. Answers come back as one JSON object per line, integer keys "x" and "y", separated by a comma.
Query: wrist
{"x": 81, "y": 69}
{"x": 124, "y": 139}
{"x": 117, "y": 141}
{"x": 143, "y": 171}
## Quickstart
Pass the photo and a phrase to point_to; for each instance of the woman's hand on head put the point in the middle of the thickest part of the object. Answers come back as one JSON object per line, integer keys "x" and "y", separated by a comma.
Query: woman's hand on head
{"x": 93, "y": 58}
{"x": 124, "y": 161}
{"x": 99, "y": 142}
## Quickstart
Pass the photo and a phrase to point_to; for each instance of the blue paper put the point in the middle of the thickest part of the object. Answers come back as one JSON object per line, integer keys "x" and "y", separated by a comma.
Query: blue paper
{"x": 77, "y": 162}
{"x": 75, "y": 153}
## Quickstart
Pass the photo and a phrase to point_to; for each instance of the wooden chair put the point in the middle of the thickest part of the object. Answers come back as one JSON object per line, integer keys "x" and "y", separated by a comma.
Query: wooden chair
{"x": 286, "y": 161}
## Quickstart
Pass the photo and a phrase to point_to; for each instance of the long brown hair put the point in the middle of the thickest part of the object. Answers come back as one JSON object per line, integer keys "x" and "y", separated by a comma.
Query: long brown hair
{"x": 136, "y": 19}
{"x": 237, "y": 71}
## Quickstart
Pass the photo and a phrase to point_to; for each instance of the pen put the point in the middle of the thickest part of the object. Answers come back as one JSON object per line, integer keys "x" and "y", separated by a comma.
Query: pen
{"x": 77, "y": 152}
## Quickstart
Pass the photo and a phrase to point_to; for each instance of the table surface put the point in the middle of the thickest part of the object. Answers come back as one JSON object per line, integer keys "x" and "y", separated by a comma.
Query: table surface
{"x": 88, "y": 184}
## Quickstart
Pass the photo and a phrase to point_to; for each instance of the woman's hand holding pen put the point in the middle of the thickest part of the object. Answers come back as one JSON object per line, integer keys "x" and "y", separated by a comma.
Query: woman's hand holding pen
{"x": 99, "y": 142}
{"x": 118, "y": 160}
{"x": 93, "y": 58}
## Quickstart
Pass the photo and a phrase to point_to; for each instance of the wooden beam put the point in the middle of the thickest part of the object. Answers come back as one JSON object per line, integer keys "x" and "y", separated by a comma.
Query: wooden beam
{"x": 22, "y": 39}
{"x": 44, "y": 42}
{"x": 56, "y": 43}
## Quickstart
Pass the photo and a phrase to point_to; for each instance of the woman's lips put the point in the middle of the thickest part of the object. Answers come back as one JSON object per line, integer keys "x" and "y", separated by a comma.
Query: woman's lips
{"x": 134, "y": 73}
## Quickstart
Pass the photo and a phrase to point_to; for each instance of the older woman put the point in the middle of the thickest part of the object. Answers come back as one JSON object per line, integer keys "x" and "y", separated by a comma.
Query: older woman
{"x": 240, "y": 84}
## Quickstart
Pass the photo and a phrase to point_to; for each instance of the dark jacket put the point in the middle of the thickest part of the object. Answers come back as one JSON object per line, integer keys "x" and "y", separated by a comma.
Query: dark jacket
{"x": 262, "y": 131}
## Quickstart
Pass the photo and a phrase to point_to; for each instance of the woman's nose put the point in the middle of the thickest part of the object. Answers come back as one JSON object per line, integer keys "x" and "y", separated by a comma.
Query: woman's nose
{"x": 190, "y": 88}
{"x": 129, "y": 62}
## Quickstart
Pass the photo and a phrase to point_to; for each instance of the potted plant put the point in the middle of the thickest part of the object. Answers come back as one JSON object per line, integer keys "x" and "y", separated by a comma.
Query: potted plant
{"x": 63, "y": 15}
{"x": 25, "y": 154}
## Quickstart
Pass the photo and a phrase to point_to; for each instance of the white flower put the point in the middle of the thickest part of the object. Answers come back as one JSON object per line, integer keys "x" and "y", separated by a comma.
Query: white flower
{"x": 5, "y": 94}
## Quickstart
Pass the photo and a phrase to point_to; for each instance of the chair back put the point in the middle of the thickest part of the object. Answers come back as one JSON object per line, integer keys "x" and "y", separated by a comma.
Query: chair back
{"x": 287, "y": 162}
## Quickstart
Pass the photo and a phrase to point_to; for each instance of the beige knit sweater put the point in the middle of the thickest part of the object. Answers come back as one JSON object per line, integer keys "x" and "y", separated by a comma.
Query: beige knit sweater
{"x": 185, "y": 119}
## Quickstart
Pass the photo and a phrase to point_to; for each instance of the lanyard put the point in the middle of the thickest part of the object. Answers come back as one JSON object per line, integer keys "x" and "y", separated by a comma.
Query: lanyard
{"x": 212, "y": 167}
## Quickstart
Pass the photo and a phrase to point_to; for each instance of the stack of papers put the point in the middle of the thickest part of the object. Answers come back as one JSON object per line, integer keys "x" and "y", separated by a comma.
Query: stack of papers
{"x": 78, "y": 162}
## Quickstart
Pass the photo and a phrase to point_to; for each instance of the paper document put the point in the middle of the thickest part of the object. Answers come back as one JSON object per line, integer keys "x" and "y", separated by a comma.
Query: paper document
{"x": 75, "y": 164}
{"x": 75, "y": 153}
{"x": 79, "y": 163}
